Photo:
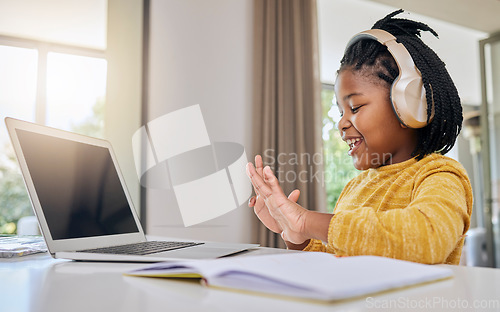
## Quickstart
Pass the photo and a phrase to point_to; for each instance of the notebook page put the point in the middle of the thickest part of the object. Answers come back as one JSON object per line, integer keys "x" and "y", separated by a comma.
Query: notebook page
{"x": 306, "y": 273}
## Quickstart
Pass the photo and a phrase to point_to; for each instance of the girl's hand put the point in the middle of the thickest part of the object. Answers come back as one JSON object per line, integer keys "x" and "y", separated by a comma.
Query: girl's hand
{"x": 259, "y": 207}
{"x": 282, "y": 213}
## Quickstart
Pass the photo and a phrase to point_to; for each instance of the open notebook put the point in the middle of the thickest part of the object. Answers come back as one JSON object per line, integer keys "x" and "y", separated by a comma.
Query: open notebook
{"x": 306, "y": 275}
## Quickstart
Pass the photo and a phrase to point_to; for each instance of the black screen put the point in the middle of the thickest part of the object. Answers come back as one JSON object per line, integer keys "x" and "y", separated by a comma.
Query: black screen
{"x": 77, "y": 186}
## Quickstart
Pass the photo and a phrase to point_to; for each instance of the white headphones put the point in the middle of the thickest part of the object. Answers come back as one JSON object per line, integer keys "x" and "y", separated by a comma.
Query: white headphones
{"x": 407, "y": 91}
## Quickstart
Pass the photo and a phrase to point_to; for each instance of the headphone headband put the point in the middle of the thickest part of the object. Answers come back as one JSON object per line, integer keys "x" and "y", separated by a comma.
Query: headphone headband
{"x": 408, "y": 95}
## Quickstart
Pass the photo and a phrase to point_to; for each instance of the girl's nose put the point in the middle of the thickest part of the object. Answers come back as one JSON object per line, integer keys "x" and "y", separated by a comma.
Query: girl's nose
{"x": 343, "y": 124}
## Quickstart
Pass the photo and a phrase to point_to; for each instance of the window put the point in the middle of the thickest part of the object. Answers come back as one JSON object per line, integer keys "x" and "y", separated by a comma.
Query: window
{"x": 76, "y": 88}
{"x": 53, "y": 72}
{"x": 338, "y": 165}
{"x": 56, "y": 85}
{"x": 17, "y": 99}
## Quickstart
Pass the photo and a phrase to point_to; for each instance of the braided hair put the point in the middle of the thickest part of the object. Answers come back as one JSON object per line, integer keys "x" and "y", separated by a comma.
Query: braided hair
{"x": 369, "y": 57}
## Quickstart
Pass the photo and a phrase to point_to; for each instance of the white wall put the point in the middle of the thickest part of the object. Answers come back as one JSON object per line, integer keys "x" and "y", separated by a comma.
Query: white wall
{"x": 201, "y": 53}
{"x": 457, "y": 46}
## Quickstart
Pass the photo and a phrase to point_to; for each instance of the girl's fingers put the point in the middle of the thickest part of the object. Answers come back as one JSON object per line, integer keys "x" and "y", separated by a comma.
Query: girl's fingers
{"x": 294, "y": 195}
{"x": 272, "y": 181}
{"x": 259, "y": 165}
{"x": 252, "y": 201}
{"x": 267, "y": 186}
{"x": 261, "y": 188}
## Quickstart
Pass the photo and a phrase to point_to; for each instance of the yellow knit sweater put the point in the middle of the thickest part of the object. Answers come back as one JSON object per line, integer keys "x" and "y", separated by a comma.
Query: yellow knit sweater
{"x": 415, "y": 210}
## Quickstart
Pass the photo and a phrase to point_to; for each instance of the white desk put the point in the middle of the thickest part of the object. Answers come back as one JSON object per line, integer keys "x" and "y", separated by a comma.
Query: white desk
{"x": 42, "y": 284}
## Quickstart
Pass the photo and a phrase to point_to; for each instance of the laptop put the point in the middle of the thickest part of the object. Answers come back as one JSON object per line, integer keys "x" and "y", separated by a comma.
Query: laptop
{"x": 82, "y": 204}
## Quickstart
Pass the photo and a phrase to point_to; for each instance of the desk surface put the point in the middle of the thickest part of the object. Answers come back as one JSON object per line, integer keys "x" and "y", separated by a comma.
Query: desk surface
{"x": 42, "y": 284}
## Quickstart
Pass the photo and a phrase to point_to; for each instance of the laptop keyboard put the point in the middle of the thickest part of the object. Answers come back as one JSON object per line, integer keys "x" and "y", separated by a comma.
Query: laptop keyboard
{"x": 143, "y": 248}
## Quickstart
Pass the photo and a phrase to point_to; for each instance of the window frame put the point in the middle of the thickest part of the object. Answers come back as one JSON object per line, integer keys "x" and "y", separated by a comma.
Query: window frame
{"x": 43, "y": 48}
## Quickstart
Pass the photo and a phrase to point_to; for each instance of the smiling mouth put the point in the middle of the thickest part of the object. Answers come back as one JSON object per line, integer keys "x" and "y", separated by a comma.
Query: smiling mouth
{"x": 353, "y": 144}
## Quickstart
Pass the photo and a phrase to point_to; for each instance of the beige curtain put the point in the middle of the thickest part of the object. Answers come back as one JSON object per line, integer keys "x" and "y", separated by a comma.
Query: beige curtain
{"x": 287, "y": 93}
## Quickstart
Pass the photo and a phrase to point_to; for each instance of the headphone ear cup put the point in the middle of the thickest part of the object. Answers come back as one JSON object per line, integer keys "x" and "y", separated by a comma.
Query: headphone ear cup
{"x": 409, "y": 101}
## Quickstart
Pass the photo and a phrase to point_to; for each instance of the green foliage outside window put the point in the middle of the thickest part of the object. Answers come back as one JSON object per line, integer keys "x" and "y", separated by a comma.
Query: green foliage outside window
{"x": 338, "y": 165}
{"x": 14, "y": 201}
{"x": 93, "y": 125}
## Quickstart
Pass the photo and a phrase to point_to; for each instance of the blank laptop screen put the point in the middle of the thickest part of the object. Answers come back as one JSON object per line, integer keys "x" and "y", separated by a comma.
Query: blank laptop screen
{"x": 77, "y": 186}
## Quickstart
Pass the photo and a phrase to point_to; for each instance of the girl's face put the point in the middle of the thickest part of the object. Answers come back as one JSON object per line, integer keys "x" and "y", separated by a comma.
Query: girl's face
{"x": 369, "y": 124}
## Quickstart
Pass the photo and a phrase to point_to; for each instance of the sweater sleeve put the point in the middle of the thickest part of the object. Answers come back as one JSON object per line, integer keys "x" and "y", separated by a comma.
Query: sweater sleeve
{"x": 315, "y": 245}
{"x": 425, "y": 231}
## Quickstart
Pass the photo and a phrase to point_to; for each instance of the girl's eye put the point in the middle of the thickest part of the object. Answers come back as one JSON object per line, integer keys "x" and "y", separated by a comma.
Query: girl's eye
{"x": 355, "y": 109}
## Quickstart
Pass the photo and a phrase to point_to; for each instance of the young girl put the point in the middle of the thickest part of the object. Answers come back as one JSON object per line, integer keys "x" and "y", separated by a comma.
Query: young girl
{"x": 410, "y": 202}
